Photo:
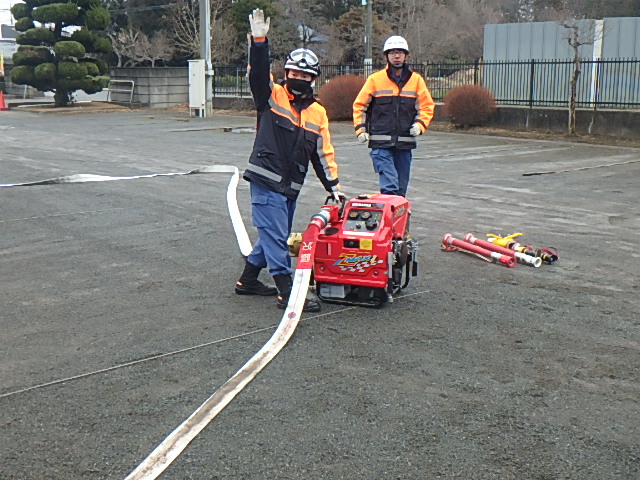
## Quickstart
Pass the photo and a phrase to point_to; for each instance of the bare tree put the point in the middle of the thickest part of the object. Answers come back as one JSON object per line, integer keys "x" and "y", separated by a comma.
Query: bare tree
{"x": 184, "y": 31}
{"x": 159, "y": 47}
{"x": 348, "y": 33}
{"x": 554, "y": 10}
{"x": 123, "y": 43}
{"x": 309, "y": 27}
{"x": 579, "y": 33}
{"x": 184, "y": 26}
{"x": 438, "y": 30}
{"x": 224, "y": 46}
{"x": 133, "y": 47}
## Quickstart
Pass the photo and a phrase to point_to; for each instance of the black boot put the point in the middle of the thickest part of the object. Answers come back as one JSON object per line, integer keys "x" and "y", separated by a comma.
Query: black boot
{"x": 248, "y": 284}
{"x": 284, "y": 284}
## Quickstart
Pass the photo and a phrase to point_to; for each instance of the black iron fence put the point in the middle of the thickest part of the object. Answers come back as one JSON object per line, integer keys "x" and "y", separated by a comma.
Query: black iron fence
{"x": 602, "y": 83}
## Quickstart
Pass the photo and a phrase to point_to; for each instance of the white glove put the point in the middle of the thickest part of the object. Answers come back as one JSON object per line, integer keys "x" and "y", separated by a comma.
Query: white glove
{"x": 259, "y": 27}
{"x": 363, "y": 137}
{"x": 415, "y": 130}
{"x": 339, "y": 197}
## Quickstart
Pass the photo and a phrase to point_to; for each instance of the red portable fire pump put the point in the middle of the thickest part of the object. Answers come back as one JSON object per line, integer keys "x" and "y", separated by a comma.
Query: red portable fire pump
{"x": 364, "y": 251}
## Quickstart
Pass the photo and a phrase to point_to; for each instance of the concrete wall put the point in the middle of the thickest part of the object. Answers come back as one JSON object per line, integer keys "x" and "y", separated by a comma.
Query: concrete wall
{"x": 19, "y": 91}
{"x": 233, "y": 103}
{"x": 167, "y": 87}
{"x": 159, "y": 87}
{"x": 9, "y": 47}
{"x": 616, "y": 123}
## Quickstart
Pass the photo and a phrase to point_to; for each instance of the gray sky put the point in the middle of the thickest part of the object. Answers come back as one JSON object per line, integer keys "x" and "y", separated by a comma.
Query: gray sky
{"x": 5, "y": 15}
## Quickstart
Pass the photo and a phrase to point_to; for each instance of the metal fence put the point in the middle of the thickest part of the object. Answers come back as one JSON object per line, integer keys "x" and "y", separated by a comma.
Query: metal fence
{"x": 604, "y": 83}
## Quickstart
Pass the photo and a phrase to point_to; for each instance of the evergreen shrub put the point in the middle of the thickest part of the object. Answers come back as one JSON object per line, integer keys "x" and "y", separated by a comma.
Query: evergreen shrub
{"x": 97, "y": 18}
{"x": 92, "y": 69}
{"x": 31, "y": 55}
{"x": 46, "y": 72}
{"x": 23, "y": 74}
{"x": 338, "y": 94}
{"x": 50, "y": 61}
{"x": 72, "y": 70}
{"x": 21, "y": 10}
{"x": 85, "y": 37}
{"x": 468, "y": 105}
{"x": 69, "y": 49}
{"x": 36, "y": 36}
{"x": 103, "y": 66}
{"x": 23, "y": 24}
{"x": 55, "y": 13}
{"x": 102, "y": 45}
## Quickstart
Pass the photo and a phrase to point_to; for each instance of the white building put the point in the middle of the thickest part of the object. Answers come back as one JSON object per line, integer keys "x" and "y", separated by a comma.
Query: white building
{"x": 8, "y": 43}
{"x": 534, "y": 60}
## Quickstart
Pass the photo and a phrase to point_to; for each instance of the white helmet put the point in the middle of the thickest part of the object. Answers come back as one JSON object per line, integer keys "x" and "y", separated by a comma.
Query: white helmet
{"x": 395, "y": 42}
{"x": 303, "y": 60}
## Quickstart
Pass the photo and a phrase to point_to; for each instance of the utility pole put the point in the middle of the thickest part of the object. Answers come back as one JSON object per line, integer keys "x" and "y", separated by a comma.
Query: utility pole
{"x": 368, "y": 35}
{"x": 205, "y": 53}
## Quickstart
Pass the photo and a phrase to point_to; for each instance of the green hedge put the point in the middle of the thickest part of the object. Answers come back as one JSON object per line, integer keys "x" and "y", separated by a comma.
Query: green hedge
{"x": 72, "y": 70}
{"x": 32, "y": 55}
{"x": 45, "y": 72}
{"x": 102, "y": 45}
{"x": 65, "y": 13}
{"x": 103, "y": 66}
{"x": 23, "y": 75}
{"x": 97, "y": 18}
{"x": 24, "y": 24}
{"x": 21, "y": 10}
{"x": 36, "y": 36}
{"x": 85, "y": 37}
{"x": 69, "y": 49}
{"x": 92, "y": 68}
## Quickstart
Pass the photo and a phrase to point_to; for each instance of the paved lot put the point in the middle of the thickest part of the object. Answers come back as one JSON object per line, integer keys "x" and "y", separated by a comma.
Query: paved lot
{"x": 479, "y": 372}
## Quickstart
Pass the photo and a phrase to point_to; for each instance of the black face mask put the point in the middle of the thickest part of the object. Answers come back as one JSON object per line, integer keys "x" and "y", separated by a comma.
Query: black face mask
{"x": 298, "y": 86}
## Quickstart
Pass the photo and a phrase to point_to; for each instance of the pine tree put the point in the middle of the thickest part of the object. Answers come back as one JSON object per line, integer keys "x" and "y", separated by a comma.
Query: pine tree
{"x": 48, "y": 59}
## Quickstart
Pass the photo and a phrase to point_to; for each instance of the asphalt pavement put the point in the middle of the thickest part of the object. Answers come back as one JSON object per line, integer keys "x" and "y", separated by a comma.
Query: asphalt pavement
{"x": 118, "y": 316}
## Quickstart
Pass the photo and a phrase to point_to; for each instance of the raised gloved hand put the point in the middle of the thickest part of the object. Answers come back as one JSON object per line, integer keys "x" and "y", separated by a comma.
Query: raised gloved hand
{"x": 415, "y": 130}
{"x": 363, "y": 137}
{"x": 259, "y": 26}
{"x": 339, "y": 197}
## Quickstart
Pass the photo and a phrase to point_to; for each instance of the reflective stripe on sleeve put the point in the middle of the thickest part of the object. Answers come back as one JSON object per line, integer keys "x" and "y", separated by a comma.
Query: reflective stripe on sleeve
{"x": 264, "y": 172}
{"x": 312, "y": 126}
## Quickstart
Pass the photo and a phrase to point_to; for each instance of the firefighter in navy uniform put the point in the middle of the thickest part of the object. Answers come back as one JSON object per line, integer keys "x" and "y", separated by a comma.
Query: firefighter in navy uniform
{"x": 393, "y": 107}
{"x": 293, "y": 130}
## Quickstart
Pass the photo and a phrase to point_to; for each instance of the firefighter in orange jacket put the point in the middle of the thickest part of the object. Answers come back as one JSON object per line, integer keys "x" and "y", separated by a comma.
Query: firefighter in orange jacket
{"x": 392, "y": 109}
{"x": 293, "y": 130}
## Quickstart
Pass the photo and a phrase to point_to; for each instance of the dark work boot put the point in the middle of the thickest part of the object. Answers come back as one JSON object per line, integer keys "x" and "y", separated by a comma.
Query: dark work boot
{"x": 284, "y": 283}
{"x": 248, "y": 284}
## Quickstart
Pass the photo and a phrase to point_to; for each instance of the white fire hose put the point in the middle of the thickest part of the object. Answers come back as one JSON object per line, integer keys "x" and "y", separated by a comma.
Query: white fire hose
{"x": 170, "y": 448}
{"x": 177, "y": 441}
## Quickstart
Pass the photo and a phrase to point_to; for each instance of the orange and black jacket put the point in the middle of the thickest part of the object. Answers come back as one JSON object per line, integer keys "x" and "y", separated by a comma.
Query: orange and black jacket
{"x": 291, "y": 132}
{"x": 386, "y": 110}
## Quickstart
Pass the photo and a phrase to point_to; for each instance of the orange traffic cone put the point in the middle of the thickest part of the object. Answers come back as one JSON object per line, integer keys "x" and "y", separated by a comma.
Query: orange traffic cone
{"x": 3, "y": 105}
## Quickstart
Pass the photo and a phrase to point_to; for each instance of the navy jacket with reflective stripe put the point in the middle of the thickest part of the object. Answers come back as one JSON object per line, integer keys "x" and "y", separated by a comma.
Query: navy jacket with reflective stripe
{"x": 387, "y": 109}
{"x": 291, "y": 133}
